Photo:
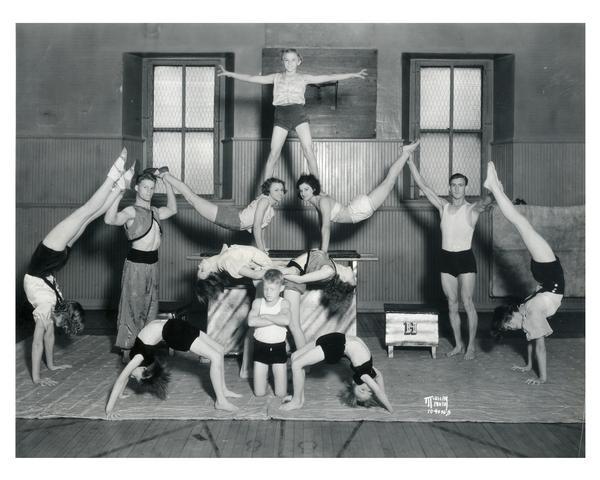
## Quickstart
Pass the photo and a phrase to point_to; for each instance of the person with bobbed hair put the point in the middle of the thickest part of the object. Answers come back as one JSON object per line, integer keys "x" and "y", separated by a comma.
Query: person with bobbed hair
{"x": 360, "y": 208}
{"x": 254, "y": 218}
{"x": 316, "y": 268}
{"x": 51, "y": 254}
{"x": 367, "y": 381}
{"x": 531, "y": 315}
{"x": 151, "y": 374}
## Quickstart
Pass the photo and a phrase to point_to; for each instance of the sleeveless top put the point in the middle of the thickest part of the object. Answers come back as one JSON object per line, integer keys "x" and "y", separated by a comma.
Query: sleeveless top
{"x": 317, "y": 259}
{"x": 142, "y": 223}
{"x": 271, "y": 333}
{"x": 288, "y": 90}
{"x": 549, "y": 275}
{"x": 247, "y": 215}
{"x": 457, "y": 233}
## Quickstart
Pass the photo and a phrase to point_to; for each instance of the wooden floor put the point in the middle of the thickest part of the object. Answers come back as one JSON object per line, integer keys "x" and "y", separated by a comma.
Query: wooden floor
{"x": 284, "y": 439}
{"x": 69, "y": 437}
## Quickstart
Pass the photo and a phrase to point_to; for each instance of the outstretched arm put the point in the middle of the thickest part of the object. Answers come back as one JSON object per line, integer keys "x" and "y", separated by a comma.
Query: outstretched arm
{"x": 316, "y": 79}
{"x": 171, "y": 208}
{"x": 436, "y": 201}
{"x": 121, "y": 382}
{"x": 376, "y": 385}
{"x": 262, "y": 79}
{"x": 259, "y": 216}
{"x": 324, "y": 273}
{"x": 325, "y": 211}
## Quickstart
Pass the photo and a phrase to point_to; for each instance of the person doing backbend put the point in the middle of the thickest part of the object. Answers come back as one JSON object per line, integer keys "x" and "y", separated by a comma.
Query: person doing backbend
{"x": 148, "y": 371}
{"x": 367, "y": 381}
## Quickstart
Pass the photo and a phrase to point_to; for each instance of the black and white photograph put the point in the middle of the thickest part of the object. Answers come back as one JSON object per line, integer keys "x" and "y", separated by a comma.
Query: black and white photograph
{"x": 299, "y": 239}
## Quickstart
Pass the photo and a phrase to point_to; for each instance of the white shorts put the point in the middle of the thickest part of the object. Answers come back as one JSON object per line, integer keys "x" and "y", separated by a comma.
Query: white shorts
{"x": 41, "y": 297}
{"x": 360, "y": 208}
{"x": 536, "y": 312}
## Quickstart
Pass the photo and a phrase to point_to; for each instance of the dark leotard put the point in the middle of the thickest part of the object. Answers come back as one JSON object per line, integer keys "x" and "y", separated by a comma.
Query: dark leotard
{"x": 46, "y": 261}
{"x": 549, "y": 275}
{"x": 333, "y": 346}
{"x": 359, "y": 371}
{"x": 179, "y": 334}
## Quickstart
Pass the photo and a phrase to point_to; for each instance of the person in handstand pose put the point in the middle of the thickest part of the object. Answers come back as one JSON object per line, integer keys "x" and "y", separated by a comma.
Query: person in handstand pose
{"x": 254, "y": 218}
{"x": 532, "y": 314}
{"x": 367, "y": 381}
{"x": 149, "y": 372}
{"x": 51, "y": 254}
{"x": 359, "y": 209}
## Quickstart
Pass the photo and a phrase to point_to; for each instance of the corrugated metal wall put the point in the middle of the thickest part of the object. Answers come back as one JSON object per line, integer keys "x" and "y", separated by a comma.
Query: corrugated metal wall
{"x": 55, "y": 175}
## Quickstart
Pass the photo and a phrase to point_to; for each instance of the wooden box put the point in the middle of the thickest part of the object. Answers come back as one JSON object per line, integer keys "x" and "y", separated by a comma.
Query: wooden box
{"x": 410, "y": 326}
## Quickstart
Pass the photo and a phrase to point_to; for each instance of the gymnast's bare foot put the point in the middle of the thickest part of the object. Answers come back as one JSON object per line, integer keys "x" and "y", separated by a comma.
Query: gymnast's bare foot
{"x": 456, "y": 350}
{"x": 519, "y": 368}
{"x": 470, "y": 354}
{"x": 225, "y": 405}
{"x": 292, "y": 403}
{"x": 230, "y": 394}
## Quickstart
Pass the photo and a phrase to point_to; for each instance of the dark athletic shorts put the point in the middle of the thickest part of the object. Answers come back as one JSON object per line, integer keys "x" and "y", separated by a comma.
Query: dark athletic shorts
{"x": 333, "y": 346}
{"x": 269, "y": 353}
{"x": 228, "y": 217}
{"x": 456, "y": 263}
{"x": 290, "y": 116}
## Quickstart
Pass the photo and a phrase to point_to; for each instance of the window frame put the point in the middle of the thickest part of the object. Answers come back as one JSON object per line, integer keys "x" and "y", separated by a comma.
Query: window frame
{"x": 218, "y": 118}
{"x": 487, "y": 98}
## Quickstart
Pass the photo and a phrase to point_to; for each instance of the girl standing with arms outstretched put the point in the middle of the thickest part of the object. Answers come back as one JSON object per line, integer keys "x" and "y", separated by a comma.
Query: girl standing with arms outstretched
{"x": 288, "y": 99}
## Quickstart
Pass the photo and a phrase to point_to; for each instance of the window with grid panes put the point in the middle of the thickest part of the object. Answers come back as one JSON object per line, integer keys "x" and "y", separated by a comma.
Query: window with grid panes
{"x": 183, "y": 132}
{"x": 451, "y": 115}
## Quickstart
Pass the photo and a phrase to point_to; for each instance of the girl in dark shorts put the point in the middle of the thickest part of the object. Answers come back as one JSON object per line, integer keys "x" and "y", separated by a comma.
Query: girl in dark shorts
{"x": 532, "y": 314}
{"x": 366, "y": 380}
{"x": 151, "y": 374}
{"x": 51, "y": 254}
{"x": 288, "y": 99}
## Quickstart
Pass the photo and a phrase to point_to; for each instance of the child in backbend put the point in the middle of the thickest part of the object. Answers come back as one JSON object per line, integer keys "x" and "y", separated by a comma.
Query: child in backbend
{"x": 288, "y": 99}
{"x": 270, "y": 317}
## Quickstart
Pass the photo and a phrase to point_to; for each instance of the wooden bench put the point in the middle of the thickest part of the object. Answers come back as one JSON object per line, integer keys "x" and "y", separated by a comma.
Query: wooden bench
{"x": 409, "y": 325}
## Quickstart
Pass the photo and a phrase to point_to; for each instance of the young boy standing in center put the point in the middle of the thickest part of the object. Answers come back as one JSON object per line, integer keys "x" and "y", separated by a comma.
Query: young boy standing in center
{"x": 270, "y": 317}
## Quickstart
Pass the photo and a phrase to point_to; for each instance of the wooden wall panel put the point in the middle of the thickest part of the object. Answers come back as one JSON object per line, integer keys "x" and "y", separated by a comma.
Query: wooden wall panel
{"x": 404, "y": 235}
